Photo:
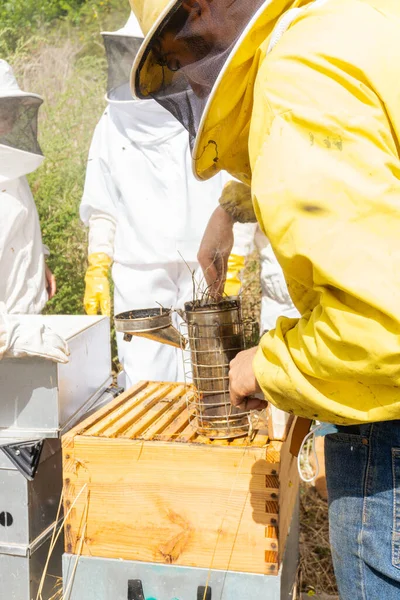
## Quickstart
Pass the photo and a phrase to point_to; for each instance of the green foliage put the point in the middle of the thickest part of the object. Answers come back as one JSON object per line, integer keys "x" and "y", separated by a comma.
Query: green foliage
{"x": 20, "y": 20}
{"x": 57, "y": 191}
{"x": 65, "y": 128}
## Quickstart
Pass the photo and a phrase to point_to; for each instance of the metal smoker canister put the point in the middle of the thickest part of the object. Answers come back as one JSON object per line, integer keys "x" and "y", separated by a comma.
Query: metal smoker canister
{"x": 216, "y": 334}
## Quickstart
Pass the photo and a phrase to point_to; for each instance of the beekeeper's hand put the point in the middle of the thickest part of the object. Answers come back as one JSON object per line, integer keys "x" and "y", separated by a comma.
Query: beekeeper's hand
{"x": 51, "y": 285}
{"x": 243, "y": 384}
{"x": 215, "y": 249}
{"x": 97, "y": 289}
{"x": 32, "y": 340}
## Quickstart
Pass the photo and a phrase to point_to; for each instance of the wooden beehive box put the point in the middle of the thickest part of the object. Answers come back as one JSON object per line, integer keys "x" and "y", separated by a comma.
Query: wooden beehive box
{"x": 140, "y": 484}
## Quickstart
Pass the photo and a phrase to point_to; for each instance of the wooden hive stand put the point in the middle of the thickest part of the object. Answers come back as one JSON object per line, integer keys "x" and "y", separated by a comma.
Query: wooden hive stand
{"x": 141, "y": 485}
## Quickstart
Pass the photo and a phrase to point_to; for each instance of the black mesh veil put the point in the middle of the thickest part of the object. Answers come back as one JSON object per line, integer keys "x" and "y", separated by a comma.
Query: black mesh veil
{"x": 188, "y": 51}
{"x": 120, "y": 51}
{"x": 18, "y": 123}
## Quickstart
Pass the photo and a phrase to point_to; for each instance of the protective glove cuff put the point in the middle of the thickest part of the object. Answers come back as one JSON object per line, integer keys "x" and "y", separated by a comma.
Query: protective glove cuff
{"x": 97, "y": 288}
{"x": 233, "y": 282}
{"x": 99, "y": 264}
{"x": 235, "y": 263}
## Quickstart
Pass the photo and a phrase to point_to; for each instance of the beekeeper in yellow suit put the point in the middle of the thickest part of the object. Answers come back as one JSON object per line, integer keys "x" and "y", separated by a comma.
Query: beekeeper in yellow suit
{"x": 302, "y": 101}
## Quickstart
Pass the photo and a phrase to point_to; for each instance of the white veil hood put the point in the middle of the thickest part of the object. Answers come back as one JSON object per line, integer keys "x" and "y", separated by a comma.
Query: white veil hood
{"x": 20, "y": 152}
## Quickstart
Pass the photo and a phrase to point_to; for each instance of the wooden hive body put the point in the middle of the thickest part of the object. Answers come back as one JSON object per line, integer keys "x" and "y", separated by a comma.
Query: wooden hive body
{"x": 140, "y": 484}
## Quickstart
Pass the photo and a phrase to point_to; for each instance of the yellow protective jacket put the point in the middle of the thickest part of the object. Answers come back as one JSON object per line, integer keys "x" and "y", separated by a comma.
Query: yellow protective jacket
{"x": 324, "y": 150}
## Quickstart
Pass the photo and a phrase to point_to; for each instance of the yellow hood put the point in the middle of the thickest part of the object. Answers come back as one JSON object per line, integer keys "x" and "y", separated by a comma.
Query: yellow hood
{"x": 222, "y": 137}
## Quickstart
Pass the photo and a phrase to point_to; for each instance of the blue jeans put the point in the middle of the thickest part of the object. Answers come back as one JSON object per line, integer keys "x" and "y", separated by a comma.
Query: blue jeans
{"x": 363, "y": 477}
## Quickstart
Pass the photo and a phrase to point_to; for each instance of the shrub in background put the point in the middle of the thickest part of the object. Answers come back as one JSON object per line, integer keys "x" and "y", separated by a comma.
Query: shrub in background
{"x": 21, "y": 19}
{"x": 66, "y": 127}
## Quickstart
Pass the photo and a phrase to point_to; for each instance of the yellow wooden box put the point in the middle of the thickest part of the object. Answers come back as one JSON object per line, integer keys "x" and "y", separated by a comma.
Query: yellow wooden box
{"x": 140, "y": 484}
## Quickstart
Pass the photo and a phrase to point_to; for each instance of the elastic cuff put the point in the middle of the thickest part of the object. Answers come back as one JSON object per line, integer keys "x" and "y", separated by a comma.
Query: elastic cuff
{"x": 99, "y": 264}
{"x": 259, "y": 361}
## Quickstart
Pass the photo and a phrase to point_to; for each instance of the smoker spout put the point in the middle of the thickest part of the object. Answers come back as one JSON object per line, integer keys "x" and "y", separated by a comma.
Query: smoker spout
{"x": 151, "y": 323}
{"x": 166, "y": 335}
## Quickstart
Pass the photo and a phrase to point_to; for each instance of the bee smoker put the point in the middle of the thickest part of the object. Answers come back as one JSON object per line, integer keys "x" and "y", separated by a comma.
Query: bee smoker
{"x": 211, "y": 335}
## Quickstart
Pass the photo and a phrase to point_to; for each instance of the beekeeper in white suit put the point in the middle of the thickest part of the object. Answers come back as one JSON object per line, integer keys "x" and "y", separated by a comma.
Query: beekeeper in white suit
{"x": 145, "y": 211}
{"x": 25, "y": 281}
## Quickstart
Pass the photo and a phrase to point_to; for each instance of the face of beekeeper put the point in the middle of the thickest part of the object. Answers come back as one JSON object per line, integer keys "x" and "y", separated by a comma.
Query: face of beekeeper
{"x": 8, "y": 113}
{"x": 198, "y": 31}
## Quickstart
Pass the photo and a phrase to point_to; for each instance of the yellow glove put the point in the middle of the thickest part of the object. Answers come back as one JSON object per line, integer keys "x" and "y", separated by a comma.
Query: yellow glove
{"x": 97, "y": 288}
{"x": 233, "y": 282}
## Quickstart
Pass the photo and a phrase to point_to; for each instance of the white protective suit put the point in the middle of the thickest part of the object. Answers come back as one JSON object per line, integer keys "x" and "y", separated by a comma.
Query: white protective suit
{"x": 146, "y": 211}
{"x": 275, "y": 298}
{"x": 22, "y": 254}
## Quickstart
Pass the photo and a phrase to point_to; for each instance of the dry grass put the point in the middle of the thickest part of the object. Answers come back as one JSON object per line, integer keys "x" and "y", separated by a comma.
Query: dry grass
{"x": 316, "y": 570}
{"x": 48, "y": 70}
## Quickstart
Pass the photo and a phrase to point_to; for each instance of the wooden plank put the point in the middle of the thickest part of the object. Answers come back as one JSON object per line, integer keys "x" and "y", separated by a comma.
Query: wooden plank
{"x": 289, "y": 488}
{"x": 103, "y": 412}
{"x": 273, "y": 452}
{"x": 221, "y": 442}
{"x": 164, "y": 421}
{"x": 261, "y": 440}
{"x": 175, "y": 428}
{"x": 189, "y": 434}
{"x": 120, "y": 424}
{"x": 183, "y": 458}
{"x": 165, "y": 403}
{"x": 239, "y": 442}
{"x": 123, "y": 408}
{"x": 271, "y": 563}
